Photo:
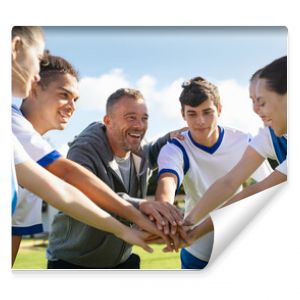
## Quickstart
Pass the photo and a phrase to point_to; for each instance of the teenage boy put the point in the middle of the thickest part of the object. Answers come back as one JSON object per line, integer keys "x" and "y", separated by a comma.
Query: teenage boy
{"x": 271, "y": 97}
{"x": 207, "y": 153}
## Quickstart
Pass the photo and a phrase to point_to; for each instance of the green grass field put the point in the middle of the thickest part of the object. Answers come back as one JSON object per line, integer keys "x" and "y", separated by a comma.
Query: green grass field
{"x": 32, "y": 255}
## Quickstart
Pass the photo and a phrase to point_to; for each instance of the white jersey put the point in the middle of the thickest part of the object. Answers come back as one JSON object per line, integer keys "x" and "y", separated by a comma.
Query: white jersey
{"x": 34, "y": 144}
{"x": 269, "y": 146}
{"x": 19, "y": 157}
{"x": 27, "y": 218}
{"x": 198, "y": 167}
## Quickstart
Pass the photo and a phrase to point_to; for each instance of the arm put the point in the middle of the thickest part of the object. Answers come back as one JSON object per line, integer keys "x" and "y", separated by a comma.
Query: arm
{"x": 273, "y": 179}
{"x": 98, "y": 192}
{"x": 225, "y": 187}
{"x": 71, "y": 201}
{"x": 15, "y": 245}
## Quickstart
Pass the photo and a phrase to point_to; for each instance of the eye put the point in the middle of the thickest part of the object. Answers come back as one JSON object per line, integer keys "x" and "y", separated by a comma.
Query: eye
{"x": 262, "y": 104}
{"x": 64, "y": 95}
{"x": 130, "y": 118}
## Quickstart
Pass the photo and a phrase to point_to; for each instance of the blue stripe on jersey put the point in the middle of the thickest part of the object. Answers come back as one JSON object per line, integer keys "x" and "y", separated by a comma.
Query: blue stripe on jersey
{"x": 49, "y": 158}
{"x": 186, "y": 161}
{"x": 16, "y": 109}
{"x": 280, "y": 146}
{"x": 162, "y": 171}
{"x": 13, "y": 193}
{"x": 38, "y": 228}
{"x": 212, "y": 149}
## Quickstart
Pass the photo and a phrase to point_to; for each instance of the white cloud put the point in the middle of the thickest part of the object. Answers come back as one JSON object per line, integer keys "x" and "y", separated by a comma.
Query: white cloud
{"x": 94, "y": 91}
{"x": 237, "y": 107}
{"x": 163, "y": 103}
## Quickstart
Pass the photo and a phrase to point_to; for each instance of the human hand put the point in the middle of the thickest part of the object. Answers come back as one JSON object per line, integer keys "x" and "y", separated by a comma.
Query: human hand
{"x": 177, "y": 133}
{"x": 136, "y": 237}
{"x": 162, "y": 213}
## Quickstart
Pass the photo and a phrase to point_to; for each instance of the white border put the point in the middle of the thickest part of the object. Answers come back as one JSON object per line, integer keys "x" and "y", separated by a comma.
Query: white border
{"x": 260, "y": 263}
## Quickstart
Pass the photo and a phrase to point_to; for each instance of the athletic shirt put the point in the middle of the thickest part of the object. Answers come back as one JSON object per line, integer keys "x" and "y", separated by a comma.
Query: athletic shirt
{"x": 27, "y": 218}
{"x": 34, "y": 144}
{"x": 19, "y": 156}
{"x": 198, "y": 167}
{"x": 268, "y": 145}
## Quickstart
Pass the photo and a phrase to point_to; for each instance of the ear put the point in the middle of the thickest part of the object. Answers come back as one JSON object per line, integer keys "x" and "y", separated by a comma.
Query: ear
{"x": 34, "y": 90}
{"x": 15, "y": 46}
{"x": 182, "y": 113}
{"x": 219, "y": 109}
{"x": 106, "y": 120}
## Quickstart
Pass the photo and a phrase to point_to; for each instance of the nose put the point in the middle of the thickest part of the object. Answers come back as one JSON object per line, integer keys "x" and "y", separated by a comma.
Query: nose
{"x": 200, "y": 120}
{"x": 71, "y": 105}
{"x": 256, "y": 107}
{"x": 140, "y": 124}
{"x": 37, "y": 77}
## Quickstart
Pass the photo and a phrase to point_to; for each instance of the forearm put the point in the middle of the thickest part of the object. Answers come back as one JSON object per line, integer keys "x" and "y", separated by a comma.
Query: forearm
{"x": 166, "y": 188}
{"x": 224, "y": 188}
{"x": 94, "y": 188}
{"x": 15, "y": 245}
{"x": 214, "y": 197}
{"x": 66, "y": 198}
{"x": 273, "y": 179}
{"x": 201, "y": 230}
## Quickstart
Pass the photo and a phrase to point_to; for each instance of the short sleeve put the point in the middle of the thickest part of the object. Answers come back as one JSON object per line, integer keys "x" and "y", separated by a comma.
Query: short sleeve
{"x": 262, "y": 144}
{"x": 37, "y": 148}
{"x": 170, "y": 160}
{"x": 282, "y": 168}
{"x": 20, "y": 154}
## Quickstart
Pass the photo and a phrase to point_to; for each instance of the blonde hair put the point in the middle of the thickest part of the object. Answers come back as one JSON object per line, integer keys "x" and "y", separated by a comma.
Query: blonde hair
{"x": 30, "y": 36}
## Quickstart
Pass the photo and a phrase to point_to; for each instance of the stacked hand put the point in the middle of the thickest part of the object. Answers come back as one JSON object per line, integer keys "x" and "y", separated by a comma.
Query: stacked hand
{"x": 177, "y": 233}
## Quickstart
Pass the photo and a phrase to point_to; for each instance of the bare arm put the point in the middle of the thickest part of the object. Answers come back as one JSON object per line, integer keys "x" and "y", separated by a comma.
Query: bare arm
{"x": 273, "y": 179}
{"x": 68, "y": 199}
{"x": 166, "y": 187}
{"x": 225, "y": 187}
{"x": 100, "y": 193}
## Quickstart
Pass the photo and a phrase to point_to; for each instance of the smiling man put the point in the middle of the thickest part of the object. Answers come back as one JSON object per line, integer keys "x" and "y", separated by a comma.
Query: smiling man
{"x": 115, "y": 153}
{"x": 207, "y": 153}
{"x": 49, "y": 106}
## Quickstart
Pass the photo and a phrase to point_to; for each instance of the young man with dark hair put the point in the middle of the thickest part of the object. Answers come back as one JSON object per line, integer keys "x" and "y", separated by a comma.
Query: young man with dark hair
{"x": 271, "y": 96}
{"x": 208, "y": 152}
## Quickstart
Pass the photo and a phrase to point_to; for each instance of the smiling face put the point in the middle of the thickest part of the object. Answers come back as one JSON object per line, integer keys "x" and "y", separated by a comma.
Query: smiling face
{"x": 273, "y": 107}
{"x": 51, "y": 107}
{"x": 126, "y": 125}
{"x": 202, "y": 121}
{"x": 255, "y": 104}
{"x": 25, "y": 66}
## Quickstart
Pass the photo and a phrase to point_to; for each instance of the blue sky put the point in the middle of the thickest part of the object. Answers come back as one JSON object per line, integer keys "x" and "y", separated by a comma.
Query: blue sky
{"x": 156, "y": 60}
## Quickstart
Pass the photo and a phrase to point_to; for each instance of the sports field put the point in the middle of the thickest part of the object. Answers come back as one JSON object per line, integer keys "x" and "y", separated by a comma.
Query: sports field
{"x": 32, "y": 255}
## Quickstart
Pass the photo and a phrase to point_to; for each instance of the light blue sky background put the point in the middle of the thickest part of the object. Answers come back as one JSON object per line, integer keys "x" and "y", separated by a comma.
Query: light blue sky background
{"x": 156, "y": 60}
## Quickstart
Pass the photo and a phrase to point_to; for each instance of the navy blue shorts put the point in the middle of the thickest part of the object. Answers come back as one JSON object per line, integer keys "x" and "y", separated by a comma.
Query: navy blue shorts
{"x": 189, "y": 261}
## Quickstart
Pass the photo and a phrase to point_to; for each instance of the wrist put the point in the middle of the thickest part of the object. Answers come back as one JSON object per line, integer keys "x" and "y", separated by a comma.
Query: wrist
{"x": 121, "y": 231}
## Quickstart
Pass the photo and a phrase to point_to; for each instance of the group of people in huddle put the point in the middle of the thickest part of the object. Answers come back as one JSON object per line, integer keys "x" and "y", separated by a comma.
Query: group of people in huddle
{"x": 100, "y": 188}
